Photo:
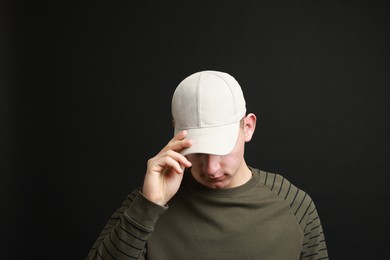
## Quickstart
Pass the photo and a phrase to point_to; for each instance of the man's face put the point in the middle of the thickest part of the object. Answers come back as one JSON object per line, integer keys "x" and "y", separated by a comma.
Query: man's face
{"x": 221, "y": 171}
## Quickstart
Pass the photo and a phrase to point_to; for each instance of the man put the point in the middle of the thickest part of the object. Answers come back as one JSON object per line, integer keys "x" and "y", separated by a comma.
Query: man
{"x": 200, "y": 200}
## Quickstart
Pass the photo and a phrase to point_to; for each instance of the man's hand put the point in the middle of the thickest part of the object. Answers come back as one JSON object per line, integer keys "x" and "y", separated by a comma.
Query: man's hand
{"x": 164, "y": 172}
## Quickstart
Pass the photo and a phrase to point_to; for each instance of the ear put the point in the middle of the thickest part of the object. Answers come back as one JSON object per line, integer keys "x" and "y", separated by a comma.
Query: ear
{"x": 249, "y": 126}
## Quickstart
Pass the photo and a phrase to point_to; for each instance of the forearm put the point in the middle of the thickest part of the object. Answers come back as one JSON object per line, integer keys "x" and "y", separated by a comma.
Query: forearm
{"x": 126, "y": 233}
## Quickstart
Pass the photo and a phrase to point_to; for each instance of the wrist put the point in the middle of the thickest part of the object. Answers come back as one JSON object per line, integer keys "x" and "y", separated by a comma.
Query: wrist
{"x": 154, "y": 199}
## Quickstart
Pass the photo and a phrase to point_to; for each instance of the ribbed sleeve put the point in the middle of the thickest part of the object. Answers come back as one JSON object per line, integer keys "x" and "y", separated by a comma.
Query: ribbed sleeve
{"x": 303, "y": 207}
{"x": 126, "y": 232}
{"x": 314, "y": 246}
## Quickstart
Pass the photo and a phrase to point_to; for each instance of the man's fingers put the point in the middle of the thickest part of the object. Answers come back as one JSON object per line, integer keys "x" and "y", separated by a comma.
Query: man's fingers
{"x": 178, "y": 142}
{"x": 175, "y": 160}
{"x": 169, "y": 162}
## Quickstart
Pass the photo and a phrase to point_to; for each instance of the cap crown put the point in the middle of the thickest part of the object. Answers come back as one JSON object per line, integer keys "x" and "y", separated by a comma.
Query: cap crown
{"x": 207, "y": 99}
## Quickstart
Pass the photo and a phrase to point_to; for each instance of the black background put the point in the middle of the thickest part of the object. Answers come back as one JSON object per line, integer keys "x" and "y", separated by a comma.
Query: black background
{"x": 85, "y": 101}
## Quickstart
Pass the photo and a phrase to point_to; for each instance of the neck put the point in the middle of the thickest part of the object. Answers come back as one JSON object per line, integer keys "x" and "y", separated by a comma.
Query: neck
{"x": 244, "y": 174}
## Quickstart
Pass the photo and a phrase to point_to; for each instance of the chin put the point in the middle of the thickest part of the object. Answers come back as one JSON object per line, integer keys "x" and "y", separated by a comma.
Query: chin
{"x": 217, "y": 185}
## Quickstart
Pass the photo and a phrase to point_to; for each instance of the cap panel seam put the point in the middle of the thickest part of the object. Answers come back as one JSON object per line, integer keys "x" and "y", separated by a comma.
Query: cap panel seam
{"x": 231, "y": 93}
{"x": 198, "y": 103}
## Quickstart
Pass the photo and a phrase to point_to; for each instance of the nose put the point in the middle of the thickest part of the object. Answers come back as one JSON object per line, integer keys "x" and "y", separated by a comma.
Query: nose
{"x": 211, "y": 164}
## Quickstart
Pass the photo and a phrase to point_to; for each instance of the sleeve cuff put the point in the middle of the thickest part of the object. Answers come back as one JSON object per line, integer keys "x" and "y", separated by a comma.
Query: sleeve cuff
{"x": 144, "y": 212}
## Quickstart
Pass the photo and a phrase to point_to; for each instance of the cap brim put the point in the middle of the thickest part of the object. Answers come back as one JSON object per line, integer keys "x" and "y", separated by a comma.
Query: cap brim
{"x": 212, "y": 140}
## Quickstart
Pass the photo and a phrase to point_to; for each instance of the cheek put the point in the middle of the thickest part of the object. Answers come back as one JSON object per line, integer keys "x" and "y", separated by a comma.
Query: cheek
{"x": 238, "y": 150}
{"x": 231, "y": 161}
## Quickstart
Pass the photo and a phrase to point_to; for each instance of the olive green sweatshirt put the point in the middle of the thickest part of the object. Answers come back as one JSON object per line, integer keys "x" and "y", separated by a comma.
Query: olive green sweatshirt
{"x": 266, "y": 218}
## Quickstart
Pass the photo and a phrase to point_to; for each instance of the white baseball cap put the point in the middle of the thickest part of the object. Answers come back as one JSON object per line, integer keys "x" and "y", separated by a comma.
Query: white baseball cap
{"x": 209, "y": 105}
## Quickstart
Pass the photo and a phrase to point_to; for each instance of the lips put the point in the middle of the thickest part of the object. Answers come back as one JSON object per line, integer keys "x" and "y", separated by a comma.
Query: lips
{"x": 216, "y": 179}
